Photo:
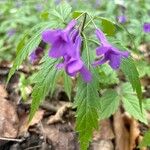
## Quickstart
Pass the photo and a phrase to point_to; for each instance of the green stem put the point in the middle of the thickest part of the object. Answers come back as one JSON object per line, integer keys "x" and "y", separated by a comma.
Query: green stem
{"x": 83, "y": 23}
{"x": 81, "y": 30}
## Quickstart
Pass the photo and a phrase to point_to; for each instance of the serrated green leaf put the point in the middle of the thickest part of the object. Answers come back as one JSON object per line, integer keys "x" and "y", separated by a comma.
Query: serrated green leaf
{"x": 146, "y": 140}
{"x": 64, "y": 9}
{"x": 143, "y": 68}
{"x": 45, "y": 81}
{"x": 87, "y": 103}
{"x": 129, "y": 69}
{"x": 28, "y": 48}
{"x": 107, "y": 75}
{"x": 67, "y": 85}
{"x": 109, "y": 104}
{"x": 131, "y": 104}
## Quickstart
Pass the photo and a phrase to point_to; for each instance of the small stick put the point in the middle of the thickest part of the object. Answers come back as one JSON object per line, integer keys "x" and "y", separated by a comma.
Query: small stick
{"x": 33, "y": 147}
{"x": 10, "y": 139}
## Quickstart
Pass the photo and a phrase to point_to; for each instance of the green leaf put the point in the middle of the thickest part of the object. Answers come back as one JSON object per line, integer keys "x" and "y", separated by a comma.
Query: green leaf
{"x": 64, "y": 9}
{"x": 76, "y": 14}
{"x": 131, "y": 104}
{"x": 129, "y": 69}
{"x": 147, "y": 104}
{"x": 108, "y": 26}
{"x": 28, "y": 48}
{"x": 109, "y": 104}
{"x": 143, "y": 68}
{"x": 146, "y": 140}
{"x": 44, "y": 15}
{"x": 107, "y": 75}
{"x": 44, "y": 81}
{"x": 86, "y": 101}
{"x": 67, "y": 85}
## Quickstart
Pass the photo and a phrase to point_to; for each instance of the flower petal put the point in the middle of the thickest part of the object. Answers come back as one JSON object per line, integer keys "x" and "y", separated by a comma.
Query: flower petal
{"x": 58, "y": 49}
{"x": 70, "y": 25}
{"x": 60, "y": 65}
{"x": 114, "y": 61}
{"x": 146, "y": 27}
{"x": 100, "y": 62}
{"x": 74, "y": 66}
{"x": 101, "y": 36}
{"x": 101, "y": 50}
{"x": 86, "y": 74}
{"x": 116, "y": 51}
{"x": 50, "y": 36}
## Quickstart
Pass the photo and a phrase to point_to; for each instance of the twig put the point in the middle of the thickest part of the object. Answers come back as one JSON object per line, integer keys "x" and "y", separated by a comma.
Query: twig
{"x": 11, "y": 139}
{"x": 33, "y": 147}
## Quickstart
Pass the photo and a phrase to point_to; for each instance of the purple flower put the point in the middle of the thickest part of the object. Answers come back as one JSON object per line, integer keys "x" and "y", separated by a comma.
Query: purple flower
{"x": 146, "y": 27}
{"x": 34, "y": 56}
{"x": 108, "y": 52}
{"x": 11, "y": 32}
{"x": 59, "y": 39}
{"x": 122, "y": 19}
{"x": 66, "y": 43}
{"x": 74, "y": 64}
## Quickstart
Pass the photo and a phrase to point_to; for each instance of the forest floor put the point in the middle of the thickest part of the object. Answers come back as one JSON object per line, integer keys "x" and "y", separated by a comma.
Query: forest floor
{"x": 53, "y": 126}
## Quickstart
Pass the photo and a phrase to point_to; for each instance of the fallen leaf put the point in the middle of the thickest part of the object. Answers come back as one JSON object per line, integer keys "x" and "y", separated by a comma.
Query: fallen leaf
{"x": 24, "y": 124}
{"x": 102, "y": 145}
{"x": 121, "y": 133}
{"x": 62, "y": 136}
{"x": 105, "y": 132}
{"x": 59, "y": 114}
{"x": 8, "y": 119}
{"x": 3, "y": 92}
{"x": 134, "y": 133}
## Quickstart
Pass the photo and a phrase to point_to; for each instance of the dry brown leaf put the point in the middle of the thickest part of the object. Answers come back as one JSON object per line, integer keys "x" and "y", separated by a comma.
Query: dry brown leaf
{"x": 59, "y": 114}
{"x": 62, "y": 136}
{"x": 105, "y": 132}
{"x": 8, "y": 119}
{"x": 122, "y": 139}
{"x": 134, "y": 133}
{"x": 102, "y": 145}
{"x": 24, "y": 124}
{"x": 3, "y": 92}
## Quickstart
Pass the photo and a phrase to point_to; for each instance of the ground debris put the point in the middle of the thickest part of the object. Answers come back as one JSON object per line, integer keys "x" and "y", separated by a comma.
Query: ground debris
{"x": 25, "y": 124}
{"x": 59, "y": 114}
{"x": 8, "y": 119}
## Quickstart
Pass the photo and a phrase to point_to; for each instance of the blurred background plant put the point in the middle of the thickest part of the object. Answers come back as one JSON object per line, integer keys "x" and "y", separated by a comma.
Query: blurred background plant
{"x": 18, "y": 17}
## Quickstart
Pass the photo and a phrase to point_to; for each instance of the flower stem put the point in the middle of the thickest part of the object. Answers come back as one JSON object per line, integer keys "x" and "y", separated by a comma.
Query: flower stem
{"x": 81, "y": 30}
{"x": 83, "y": 23}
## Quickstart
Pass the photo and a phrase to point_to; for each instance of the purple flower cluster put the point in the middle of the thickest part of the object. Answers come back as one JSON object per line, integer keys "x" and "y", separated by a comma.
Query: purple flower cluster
{"x": 66, "y": 43}
{"x": 146, "y": 27}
